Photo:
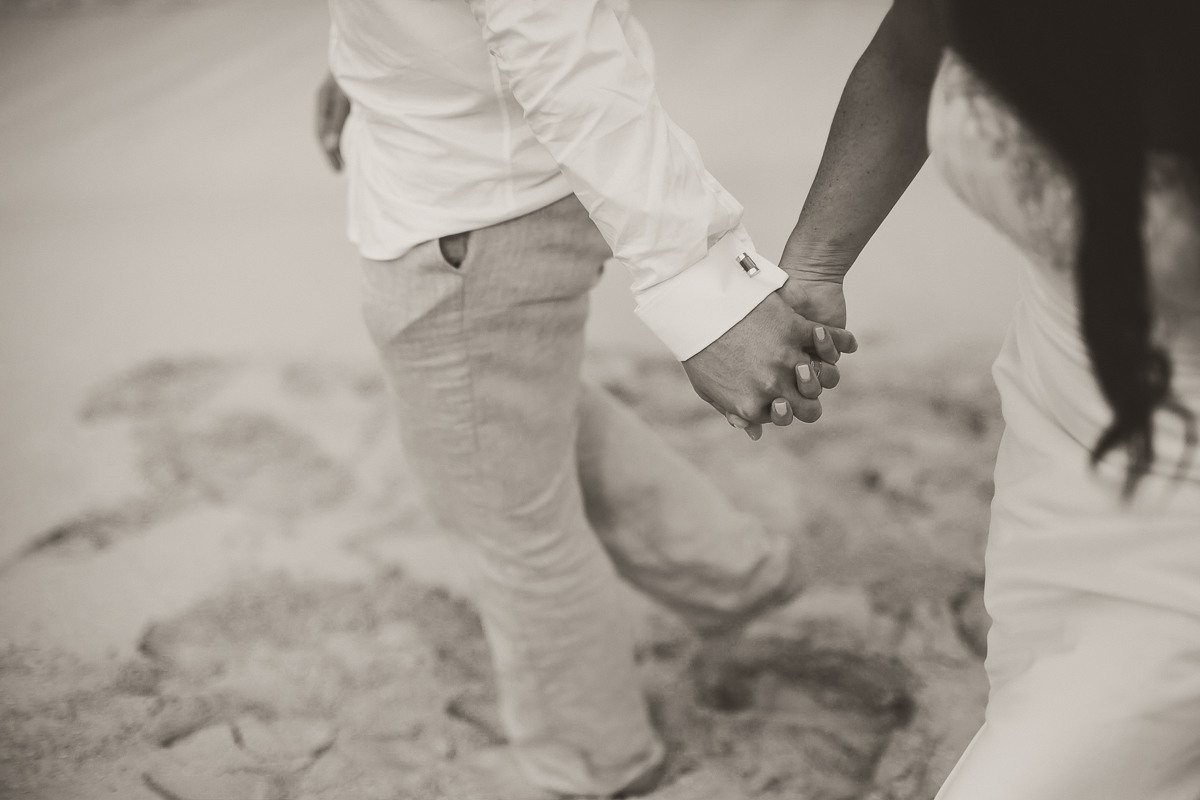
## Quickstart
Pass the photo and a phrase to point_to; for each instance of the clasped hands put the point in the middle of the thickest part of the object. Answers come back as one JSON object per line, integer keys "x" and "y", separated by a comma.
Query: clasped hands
{"x": 772, "y": 366}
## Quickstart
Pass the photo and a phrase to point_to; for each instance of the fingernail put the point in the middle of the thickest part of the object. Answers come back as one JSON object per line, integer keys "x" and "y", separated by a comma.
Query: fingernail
{"x": 820, "y": 333}
{"x": 804, "y": 372}
{"x": 780, "y": 407}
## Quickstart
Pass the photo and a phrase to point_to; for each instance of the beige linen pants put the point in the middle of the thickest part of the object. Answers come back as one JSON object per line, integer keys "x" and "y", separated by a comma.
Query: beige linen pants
{"x": 545, "y": 484}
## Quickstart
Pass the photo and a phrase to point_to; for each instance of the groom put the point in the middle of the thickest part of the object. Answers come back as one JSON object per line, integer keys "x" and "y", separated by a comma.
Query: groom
{"x": 498, "y": 152}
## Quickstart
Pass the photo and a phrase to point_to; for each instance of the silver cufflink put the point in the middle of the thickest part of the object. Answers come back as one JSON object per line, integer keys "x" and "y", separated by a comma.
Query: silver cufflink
{"x": 747, "y": 264}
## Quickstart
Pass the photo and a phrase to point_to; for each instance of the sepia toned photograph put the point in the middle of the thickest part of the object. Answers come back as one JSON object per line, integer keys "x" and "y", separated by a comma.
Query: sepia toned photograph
{"x": 554, "y": 399}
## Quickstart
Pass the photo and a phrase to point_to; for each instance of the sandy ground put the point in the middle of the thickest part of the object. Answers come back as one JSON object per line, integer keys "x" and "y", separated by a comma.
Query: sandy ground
{"x": 269, "y": 612}
{"x": 216, "y": 579}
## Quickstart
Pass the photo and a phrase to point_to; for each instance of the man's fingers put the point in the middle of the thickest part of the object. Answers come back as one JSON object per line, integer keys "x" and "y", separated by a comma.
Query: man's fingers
{"x": 753, "y": 430}
{"x": 325, "y": 110}
{"x": 807, "y": 381}
{"x": 753, "y": 363}
{"x": 331, "y": 143}
{"x": 807, "y": 410}
{"x": 333, "y": 107}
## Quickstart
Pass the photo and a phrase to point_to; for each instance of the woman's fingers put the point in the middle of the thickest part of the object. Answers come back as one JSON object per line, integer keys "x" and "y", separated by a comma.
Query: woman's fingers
{"x": 799, "y": 403}
{"x": 814, "y": 372}
{"x": 824, "y": 345}
{"x": 804, "y": 409}
{"x": 828, "y": 374}
{"x": 807, "y": 380}
{"x": 804, "y": 406}
{"x": 781, "y": 411}
{"x": 842, "y": 339}
{"x": 826, "y": 342}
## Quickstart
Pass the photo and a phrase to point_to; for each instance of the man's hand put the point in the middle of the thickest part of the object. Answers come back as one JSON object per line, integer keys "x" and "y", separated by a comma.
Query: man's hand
{"x": 815, "y": 294}
{"x": 756, "y": 361}
{"x": 332, "y": 109}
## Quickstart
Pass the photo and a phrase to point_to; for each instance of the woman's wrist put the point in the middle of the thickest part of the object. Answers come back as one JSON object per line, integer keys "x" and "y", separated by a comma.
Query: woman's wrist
{"x": 817, "y": 261}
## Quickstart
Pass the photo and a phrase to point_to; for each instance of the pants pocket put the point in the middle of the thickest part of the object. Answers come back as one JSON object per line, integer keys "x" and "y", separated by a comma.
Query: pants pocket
{"x": 454, "y": 249}
{"x": 412, "y": 295}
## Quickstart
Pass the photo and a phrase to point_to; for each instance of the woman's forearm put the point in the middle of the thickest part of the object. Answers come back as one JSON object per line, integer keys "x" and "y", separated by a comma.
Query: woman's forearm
{"x": 876, "y": 144}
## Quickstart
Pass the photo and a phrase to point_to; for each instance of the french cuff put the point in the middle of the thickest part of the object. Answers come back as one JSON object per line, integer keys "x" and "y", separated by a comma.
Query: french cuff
{"x": 691, "y": 310}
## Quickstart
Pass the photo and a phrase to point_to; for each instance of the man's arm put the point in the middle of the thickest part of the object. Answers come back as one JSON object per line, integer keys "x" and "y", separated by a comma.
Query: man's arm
{"x": 593, "y": 105}
{"x": 876, "y": 146}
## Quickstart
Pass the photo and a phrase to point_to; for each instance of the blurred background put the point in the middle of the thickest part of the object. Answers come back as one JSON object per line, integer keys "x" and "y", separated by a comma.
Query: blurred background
{"x": 171, "y": 234}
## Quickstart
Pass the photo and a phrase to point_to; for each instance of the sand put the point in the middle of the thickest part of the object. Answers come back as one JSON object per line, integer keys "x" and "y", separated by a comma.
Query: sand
{"x": 268, "y": 612}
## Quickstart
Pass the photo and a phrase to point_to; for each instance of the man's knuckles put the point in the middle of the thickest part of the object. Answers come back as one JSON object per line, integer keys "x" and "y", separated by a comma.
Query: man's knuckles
{"x": 807, "y": 410}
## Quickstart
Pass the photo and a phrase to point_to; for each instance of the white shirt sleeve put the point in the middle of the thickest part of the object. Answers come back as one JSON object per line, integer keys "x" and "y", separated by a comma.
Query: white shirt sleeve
{"x": 593, "y": 105}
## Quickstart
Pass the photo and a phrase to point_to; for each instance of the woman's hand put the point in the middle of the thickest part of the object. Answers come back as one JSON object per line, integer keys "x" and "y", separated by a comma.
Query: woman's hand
{"x": 810, "y": 366}
{"x": 817, "y": 297}
{"x": 755, "y": 362}
{"x": 876, "y": 146}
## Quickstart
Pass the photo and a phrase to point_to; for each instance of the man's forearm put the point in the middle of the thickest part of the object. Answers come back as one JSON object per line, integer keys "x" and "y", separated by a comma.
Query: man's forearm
{"x": 876, "y": 145}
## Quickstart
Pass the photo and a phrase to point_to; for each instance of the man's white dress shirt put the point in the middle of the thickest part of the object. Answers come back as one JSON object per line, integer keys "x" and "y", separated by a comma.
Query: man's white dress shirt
{"x": 467, "y": 113}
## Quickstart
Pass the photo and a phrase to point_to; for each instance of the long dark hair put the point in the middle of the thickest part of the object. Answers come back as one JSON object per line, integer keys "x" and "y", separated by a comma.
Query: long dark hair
{"x": 1102, "y": 82}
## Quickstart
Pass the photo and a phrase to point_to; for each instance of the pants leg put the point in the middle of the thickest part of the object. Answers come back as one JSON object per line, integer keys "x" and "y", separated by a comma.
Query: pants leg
{"x": 484, "y": 363}
{"x": 670, "y": 531}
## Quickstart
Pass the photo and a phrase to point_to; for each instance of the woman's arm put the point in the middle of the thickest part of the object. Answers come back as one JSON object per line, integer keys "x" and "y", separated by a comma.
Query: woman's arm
{"x": 876, "y": 146}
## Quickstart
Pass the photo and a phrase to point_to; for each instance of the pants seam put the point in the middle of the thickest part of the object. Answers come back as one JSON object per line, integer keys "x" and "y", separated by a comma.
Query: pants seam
{"x": 481, "y": 471}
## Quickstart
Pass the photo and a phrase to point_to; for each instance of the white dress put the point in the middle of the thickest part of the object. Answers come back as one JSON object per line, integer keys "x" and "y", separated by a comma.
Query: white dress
{"x": 1094, "y": 651}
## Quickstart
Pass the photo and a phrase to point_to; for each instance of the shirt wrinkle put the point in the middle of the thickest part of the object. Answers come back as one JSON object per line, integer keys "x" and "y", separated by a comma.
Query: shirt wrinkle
{"x": 436, "y": 146}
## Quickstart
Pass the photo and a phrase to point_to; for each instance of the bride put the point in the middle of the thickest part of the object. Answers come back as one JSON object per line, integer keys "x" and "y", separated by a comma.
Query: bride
{"x": 1074, "y": 127}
